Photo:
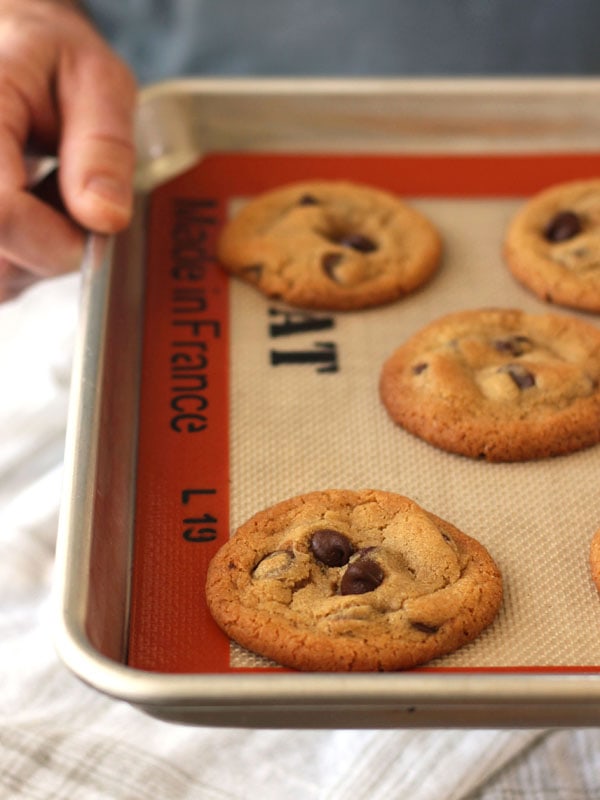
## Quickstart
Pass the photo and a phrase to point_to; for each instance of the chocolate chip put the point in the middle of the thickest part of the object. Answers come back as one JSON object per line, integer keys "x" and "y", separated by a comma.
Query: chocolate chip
{"x": 424, "y": 628}
{"x": 300, "y": 584}
{"x": 565, "y": 225}
{"x": 521, "y": 376}
{"x": 308, "y": 200}
{"x": 273, "y": 565}
{"x": 331, "y": 547}
{"x": 357, "y": 241}
{"x": 419, "y": 368}
{"x": 364, "y": 550}
{"x": 514, "y": 345}
{"x": 361, "y": 576}
{"x": 252, "y": 273}
{"x": 329, "y": 262}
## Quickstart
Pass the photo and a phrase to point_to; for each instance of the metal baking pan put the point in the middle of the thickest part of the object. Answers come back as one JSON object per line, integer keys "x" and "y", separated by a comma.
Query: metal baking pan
{"x": 129, "y": 562}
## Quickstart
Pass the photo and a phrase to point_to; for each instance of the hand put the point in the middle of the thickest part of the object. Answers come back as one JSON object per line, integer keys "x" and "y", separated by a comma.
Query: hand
{"x": 62, "y": 88}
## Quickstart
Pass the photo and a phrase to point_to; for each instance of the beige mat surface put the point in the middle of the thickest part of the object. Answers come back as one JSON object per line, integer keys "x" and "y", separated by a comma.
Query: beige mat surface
{"x": 298, "y": 427}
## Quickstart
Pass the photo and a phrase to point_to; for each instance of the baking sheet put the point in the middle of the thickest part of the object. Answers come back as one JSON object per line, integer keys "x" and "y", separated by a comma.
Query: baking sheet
{"x": 548, "y": 130}
{"x": 290, "y": 404}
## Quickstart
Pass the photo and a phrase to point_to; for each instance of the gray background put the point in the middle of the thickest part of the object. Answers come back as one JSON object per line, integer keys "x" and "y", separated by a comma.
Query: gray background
{"x": 166, "y": 38}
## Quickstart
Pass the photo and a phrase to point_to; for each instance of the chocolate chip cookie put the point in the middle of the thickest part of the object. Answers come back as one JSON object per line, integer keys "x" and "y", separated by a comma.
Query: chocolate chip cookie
{"x": 330, "y": 245}
{"x": 498, "y": 384}
{"x": 552, "y": 246}
{"x": 352, "y": 580}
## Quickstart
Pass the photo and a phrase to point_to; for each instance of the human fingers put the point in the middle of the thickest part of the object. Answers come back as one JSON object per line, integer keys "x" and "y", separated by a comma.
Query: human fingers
{"x": 96, "y": 99}
{"x": 35, "y": 233}
{"x": 33, "y": 38}
{"x": 36, "y": 236}
{"x": 13, "y": 280}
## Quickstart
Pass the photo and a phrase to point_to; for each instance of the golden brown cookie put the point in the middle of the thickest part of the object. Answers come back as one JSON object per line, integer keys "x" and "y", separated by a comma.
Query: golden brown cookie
{"x": 498, "y": 384}
{"x": 595, "y": 558}
{"x": 552, "y": 246}
{"x": 352, "y": 580}
{"x": 330, "y": 245}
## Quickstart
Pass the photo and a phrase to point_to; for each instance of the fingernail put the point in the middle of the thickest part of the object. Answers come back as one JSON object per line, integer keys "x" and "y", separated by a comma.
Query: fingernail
{"x": 111, "y": 190}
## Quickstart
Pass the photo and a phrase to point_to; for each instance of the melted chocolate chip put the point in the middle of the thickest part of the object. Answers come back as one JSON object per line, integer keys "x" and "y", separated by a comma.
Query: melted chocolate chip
{"x": 252, "y": 273}
{"x": 357, "y": 241}
{"x": 514, "y": 345}
{"x": 331, "y": 547}
{"x": 565, "y": 225}
{"x": 364, "y": 550}
{"x": 300, "y": 584}
{"x": 419, "y": 368}
{"x": 273, "y": 565}
{"x": 521, "y": 376}
{"x": 308, "y": 200}
{"x": 361, "y": 576}
{"x": 424, "y": 628}
{"x": 329, "y": 262}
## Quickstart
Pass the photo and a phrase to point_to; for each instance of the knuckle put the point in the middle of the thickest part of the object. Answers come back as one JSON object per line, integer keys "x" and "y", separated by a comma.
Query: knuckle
{"x": 14, "y": 102}
{"x": 116, "y": 150}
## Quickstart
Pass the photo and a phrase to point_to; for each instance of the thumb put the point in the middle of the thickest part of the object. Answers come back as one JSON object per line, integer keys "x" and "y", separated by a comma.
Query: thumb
{"x": 96, "y": 97}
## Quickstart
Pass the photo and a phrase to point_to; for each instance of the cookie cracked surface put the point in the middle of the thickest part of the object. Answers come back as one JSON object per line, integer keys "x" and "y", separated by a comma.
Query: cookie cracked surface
{"x": 331, "y": 245}
{"x": 498, "y": 384}
{"x": 594, "y": 558}
{"x": 552, "y": 246}
{"x": 352, "y": 580}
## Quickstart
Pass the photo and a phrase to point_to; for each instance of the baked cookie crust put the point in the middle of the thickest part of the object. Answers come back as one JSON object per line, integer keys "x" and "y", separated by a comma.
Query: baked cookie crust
{"x": 552, "y": 246}
{"x": 498, "y": 384}
{"x": 331, "y": 245}
{"x": 595, "y": 558}
{"x": 345, "y": 580}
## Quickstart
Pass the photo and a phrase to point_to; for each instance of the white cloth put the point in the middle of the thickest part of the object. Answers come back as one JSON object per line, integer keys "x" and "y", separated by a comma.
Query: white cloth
{"x": 60, "y": 740}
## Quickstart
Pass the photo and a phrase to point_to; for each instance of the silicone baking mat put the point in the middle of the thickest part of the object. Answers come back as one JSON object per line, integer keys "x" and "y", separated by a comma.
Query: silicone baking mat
{"x": 245, "y": 402}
